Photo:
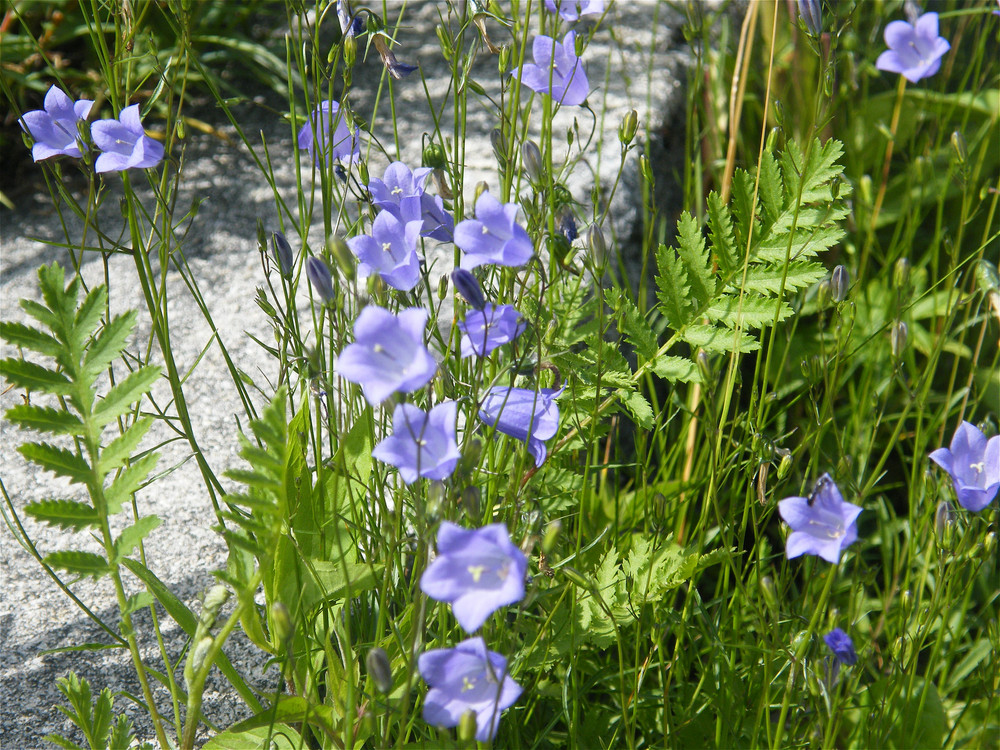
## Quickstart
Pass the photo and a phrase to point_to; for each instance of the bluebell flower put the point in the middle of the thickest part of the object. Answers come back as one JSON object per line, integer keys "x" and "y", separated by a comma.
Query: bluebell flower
{"x": 531, "y": 416}
{"x": 124, "y": 143}
{"x": 556, "y": 70}
{"x": 465, "y": 678}
{"x": 915, "y": 51}
{"x": 822, "y": 524}
{"x": 390, "y": 250}
{"x": 973, "y": 462}
{"x": 477, "y": 571}
{"x": 403, "y": 193}
{"x": 388, "y": 353}
{"x": 572, "y": 10}
{"x": 494, "y": 236}
{"x": 842, "y": 646}
{"x": 55, "y": 128}
{"x": 486, "y": 329}
{"x": 422, "y": 444}
{"x": 316, "y": 138}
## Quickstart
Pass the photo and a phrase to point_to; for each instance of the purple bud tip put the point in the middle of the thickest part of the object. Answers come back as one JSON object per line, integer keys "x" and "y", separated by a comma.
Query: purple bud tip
{"x": 468, "y": 287}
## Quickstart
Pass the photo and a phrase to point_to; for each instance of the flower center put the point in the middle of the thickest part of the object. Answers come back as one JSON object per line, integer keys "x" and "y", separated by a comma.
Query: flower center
{"x": 978, "y": 468}
{"x": 397, "y": 190}
{"x": 486, "y": 229}
{"x": 477, "y": 572}
{"x": 468, "y": 684}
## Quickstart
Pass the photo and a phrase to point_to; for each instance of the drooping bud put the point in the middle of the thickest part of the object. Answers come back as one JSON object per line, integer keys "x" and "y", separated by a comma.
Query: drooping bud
{"x": 320, "y": 278}
{"x": 567, "y": 225}
{"x": 944, "y": 519}
{"x": 840, "y": 280}
{"x": 282, "y": 254}
{"x": 811, "y": 14}
{"x": 531, "y": 160}
{"x": 897, "y": 338}
{"x": 343, "y": 256}
{"x": 468, "y": 287}
{"x": 379, "y": 669}
{"x": 628, "y": 127}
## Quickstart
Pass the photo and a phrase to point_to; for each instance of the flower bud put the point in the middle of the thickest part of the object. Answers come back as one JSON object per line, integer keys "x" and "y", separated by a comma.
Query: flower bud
{"x": 472, "y": 501}
{"x": 503, "y": 62}
{"x": 435, "y": 157}
{"x": 379, "y": 669}
{"x": 961, "y": 151}
{"x": 531, "y": 160}
{"x": 766, "y": 584}
{"x": 823, "y": 293}
{"x": 214, "y": 599}
{"x": 350, "y": 52}
{"x": 196, "y": 659}
{"x": 282, "y": 628}
{"x": 320, "y": 278}
{"x": 596, "y": 245}
{"x": 467, "y": 726}
{"x": 944, "y": 518}
{"x": 499, "y": 146}
{"x": 282, "y": 254}
{"x": 987, "y": 277}
{"x": 628, "y": 127}
{"x": 467, "y": 285}
{"x": 897, "y": 338}
{"x": 865, "y": 190}
{"x": 786, "y": 463}
{"x": 990, "y": 543}
{"x": 901, "y": 274}
{"x": 470, "y": 458}
{"x": 840, "y": 280}
{"x": 551, "y": 536}
{"x": 567, "y": 225}
{"x": 343, "y": 256}
{"x": 811, "y": 15}
{"x": 481, "y": 187}
{"x": 442, "y": 288}
{"x": 646, "y": 170}
{"x": 771, "y": 145}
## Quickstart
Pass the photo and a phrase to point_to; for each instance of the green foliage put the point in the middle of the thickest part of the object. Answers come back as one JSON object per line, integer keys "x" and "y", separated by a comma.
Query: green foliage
{"x": 93, "y": 716}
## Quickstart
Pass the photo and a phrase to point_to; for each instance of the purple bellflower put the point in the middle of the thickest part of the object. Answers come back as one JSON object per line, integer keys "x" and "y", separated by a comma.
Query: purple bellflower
{"x": 486, "y": 329}
{"x": 557, "y": 70}
{"x": 315, "y": 138}
{"x": 842, "y": 646}
{"x": 396, "y": 192}
{"x": 822, "y": 524}
{"x": 467, "y": 677}
{"x": 390, "y": 250}
{"x": 125, "y": 143}
{"x": 915, "y": 51}
{"x": 974, "y": 465}
{"x": 350, "y": 22}
{"x": 525, "y": 415}
{"x": 468, "y": 287}
{"x": 388, "y": 353}
{"x": 421, "y": 444}
{"x": 494, "y": 236}
{"x": 320, "y": 278}
{"x": 55, "y": 128}
{"x": 811, "y": 13}
{"x": 396, "y": 69}
{"x": 572, "y": 10}
{"x": 477, "y": 571}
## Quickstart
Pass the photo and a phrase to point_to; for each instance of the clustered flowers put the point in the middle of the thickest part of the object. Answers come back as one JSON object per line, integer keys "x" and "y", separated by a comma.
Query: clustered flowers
{"x": 59, "y": 130}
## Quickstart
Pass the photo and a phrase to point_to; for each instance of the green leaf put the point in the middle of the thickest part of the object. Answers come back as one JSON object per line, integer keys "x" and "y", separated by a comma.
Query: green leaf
{"x": 118, "y": 451}
{"x": 751, "y": 312}
{"x": 31, "y": 377}
{"x": 770, "y": 188}
{"x": 722, "y": 340}
{"x": 62, "y": 742}
{"x": 632, "y": 323}
{"x": 693, "y": 253}
{"x": 980, "y": 651}
{"x": 138, "y": 601}
{"x": 672, "y": 287}
{"x": 773, "y": 279}
{"x": 121, "y": 734}
{"x": 673, "y": 369}
{"x": 108, "y": 344}
{"x": 26, "y": 337}
{"x": 87, "y": 317}
{"x": 79, "y": 563}
{"x": 120, "y": 398}
{"x": 277, "y": 737}
{"x": 128, "y": 481}
{"x": 102, "y": 718}
{"x": 42, "y": 314}
{"x": 45, "y": 419}
{"x": 721, "y": 232}
{"x": 130, "y": 537}
{"x": 638, "y": 407}
{"x": 656, "y": 569}
{"x": 59, "y": 461}
{"x": 66, "y": 514}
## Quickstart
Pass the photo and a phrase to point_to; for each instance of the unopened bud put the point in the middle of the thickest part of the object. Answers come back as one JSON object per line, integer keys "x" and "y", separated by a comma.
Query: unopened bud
{"x": 435, "y": 157}
{"x": 343, "y": 256}
{"x": 481, "y": 187}
{"x": 467, "y": 726}
{"x": 499, "y": 146}
{"x": 897, "y": 338}
{"x": 901, "y": 274}
{"x": 944, "y": 517}
{"x": 961, "y": 151}
{"x": 628, "y": 127}
{"x": 785, "y": 465}
{"x": 824, "y": 293}
{"x": 551, "y": 536}
{"x": 281, "y": 624}
{"x": 472, "y": 500}
{"x": 987, "y": 277}
{"x": 442, "y": 288}
{"x": 531, "y": 160}
{"x": 320, "y": 278}
{"x": 767, "y": 591}
{"x": 282, "y": 253}
{"x": 646, "y": 170}
{"x": 470, "y": 458}
{"x": 503, "y": 61}
{"x": 771, "y": 145}
{"x": 379, "y": 669}
{"x": 906, "y": 600}
{"x": 596, "y": 245}
{"x": 214, "y": 599}
{"x": 990, "y": 543}
{"x": 704, "y": 362}
{"x": 350, "y": 52}
{"x": 179, "y": 128}
{"x": 840, "y": 280}
{"x": 468, "y": 287}
{"x": 811, "y": 14}
{"x": 567, "y": 225}
{"x": 865, "y": 190}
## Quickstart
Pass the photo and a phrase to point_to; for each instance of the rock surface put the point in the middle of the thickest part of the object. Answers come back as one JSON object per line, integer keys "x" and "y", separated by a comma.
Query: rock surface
{"x": 635, "y": 60}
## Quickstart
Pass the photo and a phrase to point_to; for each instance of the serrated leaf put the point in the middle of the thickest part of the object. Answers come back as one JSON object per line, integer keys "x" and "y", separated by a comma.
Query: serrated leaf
{"x": 66, "y": 514}
{"x": 119, "y": 399}
{"x": 128, "y": 481}
{"x": 59, "y": 461}
{"x": 79, "y": 563}
{"x": 119, "y": 450}
{"x": 45, "y": 419}
{"x": 772, "y": 279}
{"x": 121, "y": 734}
{"x": 138, "y": 601}
{"x": 770, "y": 189}
{"x": 722, "y": 340}
{"x": 31, "y": 377}
{"x": 108, "y": 344}
{"x": 102, "y": 718}
{"x": 720, "y": 226}
{"x": 26, "y": 337}
{"x": 672, "y": 287}
{"x": 693, "y": 253}
{"x": 632, "y": 323}
{"x": 743, "y": 207}
{"x": 271, "y": 736}
{"x": 62, "y": 742}
{"x": 638, "y": 407}
{"x": 751, "y": 312}
{"x": 88, "y": 316}
{"x": 674, "y": 369}
{"x": 130, "y": 537}
{"x": 42, "y": 314}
